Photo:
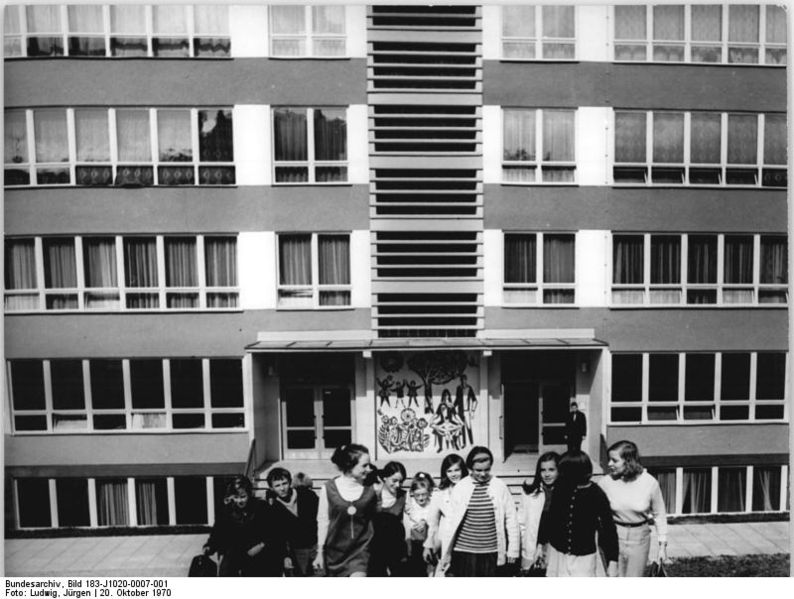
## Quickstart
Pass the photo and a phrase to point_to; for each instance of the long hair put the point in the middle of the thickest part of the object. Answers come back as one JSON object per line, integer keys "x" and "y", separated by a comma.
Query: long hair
{"x": 628, "y": 452}
{"x": 549, "y": 456}
{"x": 450, "y": 460}
{"x": 347, "y": 456}
{"x": 575, "y": 468}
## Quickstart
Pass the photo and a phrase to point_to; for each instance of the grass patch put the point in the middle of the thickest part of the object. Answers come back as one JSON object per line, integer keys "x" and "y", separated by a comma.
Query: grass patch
{"x": 727, "y": 565}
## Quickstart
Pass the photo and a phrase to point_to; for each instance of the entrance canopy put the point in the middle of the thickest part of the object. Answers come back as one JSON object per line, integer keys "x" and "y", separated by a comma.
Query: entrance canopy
{"x": 354, "y": 345}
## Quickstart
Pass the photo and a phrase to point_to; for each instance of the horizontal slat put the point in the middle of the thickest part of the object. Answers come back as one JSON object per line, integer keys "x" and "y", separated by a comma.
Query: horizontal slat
{"x": 469, "y": 36}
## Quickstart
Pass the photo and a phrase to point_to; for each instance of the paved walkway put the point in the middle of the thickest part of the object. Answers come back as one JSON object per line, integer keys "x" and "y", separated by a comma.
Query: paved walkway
{"x": 170, "y": 555}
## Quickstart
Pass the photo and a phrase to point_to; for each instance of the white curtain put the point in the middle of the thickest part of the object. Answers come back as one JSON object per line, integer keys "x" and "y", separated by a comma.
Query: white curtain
{"x": 630, "y": 137}
{"x": 628, "y": 253}
{"x": 731, "y": 486}
{"x": 287, "y": 20}
{"x": 666, "y": 480}
{"x": 668, "y": 137}
{"x": 211, "y": 19}
{"x": 558, "y": 259}
{"x": 129, "y": 19}
{"x": 334, "y": 263}
{"x": 174, "y": 136}
{"x": 180, "y": 262}
{"x": 11, "y": 24}
{"x": 705, "y": 138}
{"x": 132, "y": 131}
{"x": 766, "y": 488}
{"x": 668, "y": 23}
{"x": 743, "y": 23}
{"x": 774, "y": 260}
{"x": 99, "y": 256}
{"x": 91, "y": 129}
{"x": 146, "y": 501}
{"x": 52, "y": 140}
{"x": 220, "y": 261}
{"x": 295, "y": 264}
{"x": 140, "y": 262}
{"x": 697, "y": 491}
{"x": 519, "y": 135}
{"x": 706, "y": 23}
{"x": 558, "y": 21}
{"x": 16, "y": 137}
{"x": 630, "y": 22}
{"x": 775, "y": 24}
{"x": 60, "y": 269}
{"x": 742, "y": 138}
{"x": 20, "y": 264}
{"x": 86, "y": 19}
{"x": 44, "y": 19}
{"x": 558, "y": 135}
{"x": 328, "y": 19}
{"x": 169, "y": 19}
{"x": 112, "y": 502}
{"x": 775, "y": 139}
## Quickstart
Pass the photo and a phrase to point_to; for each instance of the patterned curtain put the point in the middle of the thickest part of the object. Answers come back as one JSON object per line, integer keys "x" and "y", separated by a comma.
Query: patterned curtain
{"x": 628, "y": 255}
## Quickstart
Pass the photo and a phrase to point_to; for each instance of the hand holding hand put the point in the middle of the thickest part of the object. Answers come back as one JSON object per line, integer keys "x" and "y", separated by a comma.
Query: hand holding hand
{"x": 256, "y": 549}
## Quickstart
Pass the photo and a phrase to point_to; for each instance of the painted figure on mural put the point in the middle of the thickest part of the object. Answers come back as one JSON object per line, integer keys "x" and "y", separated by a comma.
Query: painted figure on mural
{"x": 385, "y": 389}
{"x": 412, "y": 390}
{"x": 466, "y": 405}
{"x": 399, "y": 391}
{"x": 428, "y": 398}
{"x": 446, "y": 426}
{"x": 406, "y": 433}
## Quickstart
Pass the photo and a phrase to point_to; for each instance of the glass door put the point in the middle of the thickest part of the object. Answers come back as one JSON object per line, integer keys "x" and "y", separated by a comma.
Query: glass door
{"x": 316, "y": 420}
{"x": 554, "y": 401}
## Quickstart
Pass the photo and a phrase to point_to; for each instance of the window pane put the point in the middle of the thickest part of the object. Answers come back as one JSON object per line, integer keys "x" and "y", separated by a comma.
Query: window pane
{"x": 215, "y": 136}
{"x": 770, "y": 376}
{"x": 190, "y": 499}
{"x": 735, "y": 376}
{"x": 220, "y": 261}
{"x": 520, "y": 258}
{"x": 558, "y": 135}
{"x": 630, "y": 23}
{"x": 519, "y": 135}
{"x": 67, "y": 384}
{"x": 334, "y": 259}
{"x": 706, "y": 23}
{"x": 630, "y": 137}
{"x": 743, "y": 23}
{"x": 33, "y": 501}
{"x": 226, "y": 383}
{"x": 127, "y": 18}
{"x": 330, "y": 134}
{"x": 151, "y": 500}
{"x": 60, "y": 270}
{"x": 146, "y": 382}
{"x": 702, "y": 259}
{"x": 91, "y": 131}
{"x": 112, "y": 504}
{"x": 697, "y": 491}
{"x": 731, "y": 486}
{"x": 181, "y": 267}
{"x": 328, "y": 19}
{"x": 699, "y": 377}
{"x": 766, "y": 488}
{"x": 28, "y": 384}
{"x": 85, "y": 19}
{"x": 518, "y": 21}
{"x": 626, "y": 377}
{"x": 666, "y": 479}
{"x": 173, "y": 135}
{"x": 775, "y": 24}
{"x": 705, "y": 138}
{"x": 742, "y": 138}
{"x": 558, "y": 259}
{"x": 99, "y": 261}
{"x": 107, "y": 384}
{"x": 44, "y": 19}
{"x": 627, "y": 255}
{"x": 774, "y": 260}
{"x": 295, "y": 264}
{"x": 72, "y": 502}
{"x": 140, "y": 262}
{"x": 187, "y": 386}
{"x": 211, "y": 19}
{"x": 169, "y": 19}
{"x": 287, "y": 19}
{"x": 663, "y": 377}
{"x": 52, "y": 140}
{"x": 668, "y": 137}
{"x": 775, "y": 139}
{"x": 20, "y": 264}
{"x": 665, "y": 259}
{"x": 558, "y": 21}
{"x": 11, "y": 24}
{"x": 668, "y": 22}
{"x": 132, "y": 131}
{"x": 738, "y": 259}
{"x": 16, "y": 137}
{"x": 290, "y": 134}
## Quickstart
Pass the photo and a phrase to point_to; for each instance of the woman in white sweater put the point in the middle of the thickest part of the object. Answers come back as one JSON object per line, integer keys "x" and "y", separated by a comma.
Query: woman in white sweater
{"x": 635, "y": 499}
{"x": 439, "y": 533}
{"x": 533, "y": 514}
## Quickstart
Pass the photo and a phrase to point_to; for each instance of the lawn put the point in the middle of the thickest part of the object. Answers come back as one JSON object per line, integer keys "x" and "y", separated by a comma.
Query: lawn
{"x": 726, "y": 565}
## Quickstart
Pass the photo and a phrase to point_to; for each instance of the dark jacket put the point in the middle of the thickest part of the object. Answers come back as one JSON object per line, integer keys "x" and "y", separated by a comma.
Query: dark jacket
{"x": 576, "y": 515}
{"x": 576, "y": 427}
{"x": 299, "y": 531}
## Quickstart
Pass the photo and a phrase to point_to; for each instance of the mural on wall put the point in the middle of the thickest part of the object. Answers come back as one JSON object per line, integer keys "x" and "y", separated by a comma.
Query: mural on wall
{"x": 426, "y": 401}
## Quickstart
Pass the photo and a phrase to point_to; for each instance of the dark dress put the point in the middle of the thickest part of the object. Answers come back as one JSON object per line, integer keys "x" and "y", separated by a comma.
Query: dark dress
{"x": 350, "y": 531}
{"x": 237, "y": 530}
{"x": 300, "y": 532}
{"x": 389, "y": 549}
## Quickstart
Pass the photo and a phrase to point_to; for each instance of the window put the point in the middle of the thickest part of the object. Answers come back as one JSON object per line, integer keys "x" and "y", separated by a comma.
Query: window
{"x": 307, "y": 31}
{"x": 33, "y": 502}
{"x": 766, "y": 488}
{"x": 538, "y": 146}
{"x": 72, "y": 499}
{"x": 314, "y": 270}
{"x": 190, "y": 499}
{"x": 101, "y": 147}
{"x": 539, "y": 268}
{"x": 683, "y": 387}
{"x": 731, "y": 489}
{"x": 122, "y": 273}
{"x": 539, "y": 32}
{"x": 168, "y": 31}
{"x": 151, "y": 501}
{"x": 696, "y": 33}
{"x": 649, "y": 269}
{"x": 700, "y": 148}
{"x": 112, "y": 504}
{"x": 310, "y": 145}
{"x": 119, "y": 395}
{"x": 697, "y": 491}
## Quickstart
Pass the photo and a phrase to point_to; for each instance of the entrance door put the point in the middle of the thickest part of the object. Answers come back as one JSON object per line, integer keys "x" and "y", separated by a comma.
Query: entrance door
{"x": 555, "y": 400}
{"x": 316, "y": 420}
{"x": 521, "y": 418}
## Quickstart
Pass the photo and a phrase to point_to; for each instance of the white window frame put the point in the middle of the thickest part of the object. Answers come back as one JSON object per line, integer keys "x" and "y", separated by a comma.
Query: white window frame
{"x": 308, "y": 36}
{"x": 540, "y": 164}
{"x": 647, "y": 287}
{"x": 191, "y": 33}
{"x": 540, "y": 286}
{"x": 688, "y": 43}
{"x": 716, "y": 404}
{"x": 315, "y": 287}
{"x": 539, "y": 40}
{"x": 201, "y": 290}
{"x": 128, "y": 411}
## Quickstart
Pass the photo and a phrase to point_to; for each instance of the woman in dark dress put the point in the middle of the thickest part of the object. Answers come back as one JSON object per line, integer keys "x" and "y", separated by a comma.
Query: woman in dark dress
{"x": 389, "y": 549}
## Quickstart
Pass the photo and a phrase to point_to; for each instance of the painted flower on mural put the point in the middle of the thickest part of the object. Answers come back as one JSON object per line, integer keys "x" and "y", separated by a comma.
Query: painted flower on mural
{"x": 408, "y": 433}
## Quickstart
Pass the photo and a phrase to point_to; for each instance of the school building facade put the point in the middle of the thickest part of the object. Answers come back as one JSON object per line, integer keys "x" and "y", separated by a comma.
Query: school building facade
{"x": 241, "y": 235}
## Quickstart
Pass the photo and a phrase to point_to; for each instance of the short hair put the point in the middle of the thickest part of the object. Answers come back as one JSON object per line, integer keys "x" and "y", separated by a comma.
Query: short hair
{"x": 628, "y": 452}
{"x": 239, "y": 483}
{"x": 422, "y": 480}
{"x": 575, "y": 468}
{"x": 450, "y": 460}
{"x": 302, "y": 480}
{"x": 278, "y": 474}
{"x": 478, "y": 450}
{"x": 347, "y": 456}
{"x": 392, "y": 468}
{"x": 573, "y": 403}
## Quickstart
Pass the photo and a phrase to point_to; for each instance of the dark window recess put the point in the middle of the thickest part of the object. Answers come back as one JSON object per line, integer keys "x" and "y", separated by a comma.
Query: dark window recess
{"x": 735, "y": 376}
{"x": 770, "y": 376}
{"x": 33, "y": 502}
{"x": 187, "y": 386}
{"x": 190, "y": 499}
{"x": 699, "y": 385}
{"x": 146, "y": 380}
{"x": 188, "y": 420}
{"x": 663, "y": 377}
{"x": 67, "y": 384}
{"x": 226, "y": 383}
{"x": 27, "y": 379}
{"x": 72, "y": 502}
{"x": 626, "y": 377}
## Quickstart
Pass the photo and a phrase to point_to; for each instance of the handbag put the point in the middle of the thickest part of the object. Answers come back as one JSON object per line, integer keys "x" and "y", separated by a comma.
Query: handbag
{"x": 203, "y": 566}
{"x": 657, "y": 570}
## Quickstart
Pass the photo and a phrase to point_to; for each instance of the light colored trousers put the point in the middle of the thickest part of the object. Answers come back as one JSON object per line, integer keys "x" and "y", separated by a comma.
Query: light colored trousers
{"x": 635, "y": 543}
{"x": 566, "y": 564}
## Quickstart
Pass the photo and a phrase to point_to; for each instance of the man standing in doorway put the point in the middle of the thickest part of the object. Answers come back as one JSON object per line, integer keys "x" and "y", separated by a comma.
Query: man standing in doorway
{"x": 575, "y": 428}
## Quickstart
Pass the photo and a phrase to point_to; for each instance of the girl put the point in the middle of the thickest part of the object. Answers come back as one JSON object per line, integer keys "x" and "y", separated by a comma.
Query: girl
{"x": 439, "y": 533}
{"x": 533, "y": 514}
{"x": 579, "y": 510}
{"x": 417, "y": 514}
{"x": 388, "y": 549}
{"x": 635, "y": 498}
{"x": 344, "y": 516}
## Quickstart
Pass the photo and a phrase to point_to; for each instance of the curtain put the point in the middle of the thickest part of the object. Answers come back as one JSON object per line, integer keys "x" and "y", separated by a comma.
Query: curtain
{"x": 775, "y": 139}
{"x": 215, "y": 136}
{"x": 149, "y": 419}
{"x": 60, "y": 269}
{"x": 731, "y": 486}
{"x": 168, "y": 20}
{"x": 180, "y": 262}
{"x": 91, "y": 129}
{"x": 211, "y": 19}
{"x": 738, "y": 259}
{"x": 702, "y": 259}
{"x": 146, "y": 501}
{"x": 775, "y": 24}
{"x": 112, "y": 502}
{"x": 743, "y": 23}
{"x": 52, "y": 140}
{"x": 697, "y": 491}
{"x": 668, "y": 23}
{"x": 16, "y": 137}
{"x": 668, "y": 137}
{"x": 766, "y": 488}
{"x": 295, "y": 260}
{"x": 20, "y": 264}
{"x": 86, "y": 19}
{"x": 558, "y": 21}
{"x": 334, "y": 259}
{"x": 173, "y": 135}
{"x": 127, "y": 19}
{"x": 328, "y": 20}
{"x": 705, "y": 138}
{"x": 520, "y": 258}
{"x": 706, "y": 23}
{"x": 519, "y": 135}
{"x": 132, "y": 131}
{"x": 628, "y": 253}
{"x": 140, "y": 262}
{"x": 99, "y": 258}
{"x": 666, "y": 480}
{"x": 630, "y": 23}
{"x": 11, "y": 25}
{"x": 774, "y": 260}
{"x": 287, "y": 20}
{"x": 44, "y": 19}
{"x": 220, "y": 261}
{"x": 290, "y": 137}
{"x": 558, "y": 135}
{"x": 630, "y": 137}
{"x": 330, "y": 134}
{"x": 518, "y": 21}
{"x": 665, "y": 259}
{"x": 558, "y": 259}
{"x": 742, "y": 138}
